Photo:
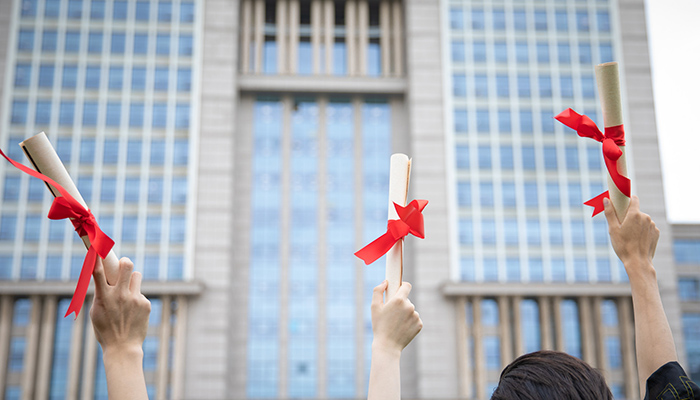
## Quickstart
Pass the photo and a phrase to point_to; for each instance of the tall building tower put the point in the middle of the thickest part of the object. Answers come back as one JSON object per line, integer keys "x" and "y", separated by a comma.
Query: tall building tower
{"x": 238, "y": 152}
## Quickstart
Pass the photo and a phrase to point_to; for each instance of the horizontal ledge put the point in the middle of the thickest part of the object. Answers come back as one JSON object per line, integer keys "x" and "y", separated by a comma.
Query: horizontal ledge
{"x": 459, "y": 289}
{"x": 148, "y": 288}
{"x": 321, "y": 84}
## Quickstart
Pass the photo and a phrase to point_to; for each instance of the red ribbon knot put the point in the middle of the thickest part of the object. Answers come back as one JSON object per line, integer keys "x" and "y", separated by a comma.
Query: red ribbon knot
{"x": 410, "y": 221}
{"x": 613, "y": 137}
{"x": 66, "y": 206}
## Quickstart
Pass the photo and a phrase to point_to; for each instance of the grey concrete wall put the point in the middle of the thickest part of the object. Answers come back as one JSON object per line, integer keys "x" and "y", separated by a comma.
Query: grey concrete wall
{"x": 6, "y": 13}
{"x": 641, "y": 133}
{"x": 210, "y": 315}
{"x": 436, "y": 373}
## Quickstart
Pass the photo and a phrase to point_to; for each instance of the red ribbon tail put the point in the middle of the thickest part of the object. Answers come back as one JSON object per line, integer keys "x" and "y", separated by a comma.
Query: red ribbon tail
{"x": 81, "y": 288}
{"x": 373, "y": 251}
{"x": 597, "y": 203}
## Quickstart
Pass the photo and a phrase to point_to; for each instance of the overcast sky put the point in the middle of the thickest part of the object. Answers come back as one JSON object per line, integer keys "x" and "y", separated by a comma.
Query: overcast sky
{"x": 674, "y": 37}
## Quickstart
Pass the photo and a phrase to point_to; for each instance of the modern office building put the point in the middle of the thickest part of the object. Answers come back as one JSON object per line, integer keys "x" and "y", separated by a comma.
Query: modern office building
{"x": 238, "y": 152}
{"x": 686, "y": 248}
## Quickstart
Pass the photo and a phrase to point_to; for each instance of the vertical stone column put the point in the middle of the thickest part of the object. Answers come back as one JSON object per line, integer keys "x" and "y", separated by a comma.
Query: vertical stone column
{"x": 46, "y": 341}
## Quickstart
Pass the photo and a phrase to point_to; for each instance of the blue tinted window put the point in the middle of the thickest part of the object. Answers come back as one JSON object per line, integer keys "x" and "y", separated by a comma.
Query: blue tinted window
{"x": 90, "y": 113}
{"x": 466, "y": 234}
{"x": 556, "y": 232}
{"x": 550, "y": 157}
{"x": 585, "y": 55}
{"x": 603, "y": 20}
{"x": 508, "y": 192}
{"x": 502, "y": 89}
{"x": 153, "y": 229}
{"x": 186, "y": 11}
{"x": 504, "y": 123}
{"x": 521, "y": 52}
{"x": 52, "y": 8}
{"x": 519, "y": 20}
{"x": 136, "y": 114}
{"x": 553, "y": 194}
{"x": 114, "y": 113}
{"x": 165, "y": 11}
{"x": 180, "y": 152}
{"x": 479, "y": 51}
{"x": 529, "y": 161}
{"x": 500, "y": 52}
{"x": 686, "y": 251}
{"x": 70, "y": 76}
{"x": 490, "y": 268}
{"x": 571, "y": 158}
{"x": 177, "y": 229}
{"x": 72, "y": 41}
{"x": 564, "y": 53}
{"x": 562, "y": 20}
{"x": 46, "y": 73}
{"x": 575, "y": 196}
{"x": 464, "y": 194}
{"x": 571, "y": 327}
{"x": 506, "y": 157}
{"x": 182, "y": 116}
{"x": 26, "y": 40}
{"x": 163, "y": 44}
{"x": 108, "y": 189}
{"x": 49, "y": 40}
{"x": 478, "y": 19}
{"x": 157, "y": 152}
{"x": 484, "y": 155}
{"x": 460, "y": 120}
{"x": 95, "y": 42}
{"x": 567, "y": 86}
{"x": 11, "y": 188}
{"x": 270, "y": 57}
{"x": 179, "y": 190}
{"x": 594, "y": 158}
{"x": 530, "y": 325}
{"x": 184, "y": 78}
{"x": 486, "y": 194}
{"x": 138, "y": 78}
{"x": 603, "y": 270}
{"x": 111, "y": 151}
{"x": 482, "y": 121}
{"x": 523, "y": 86}
{"x": 533, "y": 231}
{"x": 129, "y": 228}
{"x": 512, "y": 267}
{"x": 119, "y": 12}
{"x": 499, "y": 19}
{"x": 118, "y": 43}
{"x": 87, "y": 150}
{"x": 15, "y": 363}
{"x": 606, "y": 52}
{"x": 8, "y": 223}
{"x": 614, "y": 352}
{"x": 582, "y": 22}
{"x": 142, "y": 10}
{"x": 75, "y": 9}
{"x": 28, "y": 8}
{"x": 19, "y": 112}
{"x": 542, "y": 52}
{"x": 558, "y": 270}
{"x": 536, "y": 270}
{"x": 160, "y": 114}
{"x": 140, "y": 43}
{"x": 462, "y": 156}
{"x": 467, "y": 268}
{"x": 116, "y": 77}
{"x": 540, "y": 20}
{"x": 133, "y": 151}
{"x": 481, "y": 86}
{"x": 97, "y": 9}
{"x": 547, "y": 121}
{"x": 588, "y": 86}
{"x": 43, "y": 112}
{"x": 510, "y": 229}
{"x": 92, "y": 77}
{"x": 185, "y": 45}
{"x": 459, "y": 85}
{"x": 456, "y": 18}
{"x": 688, "y": 289}
{"x": 160, "y": 80}
{"x": 578, "y": 232}
{"x": 545, "y": 83}
{"x": 526, "y": 123}
{"x": 457, "y": 47}
{"x": 488, "y": 231}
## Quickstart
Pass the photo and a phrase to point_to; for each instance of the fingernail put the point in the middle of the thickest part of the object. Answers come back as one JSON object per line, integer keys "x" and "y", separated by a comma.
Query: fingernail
{"x": 606, "y": 201}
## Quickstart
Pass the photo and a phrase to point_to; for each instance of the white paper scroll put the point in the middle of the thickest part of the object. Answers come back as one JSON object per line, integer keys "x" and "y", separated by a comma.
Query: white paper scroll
{"x": 45, "y": 160}
{"x": 399, "y": 175}
{"x": 608, "y": 79}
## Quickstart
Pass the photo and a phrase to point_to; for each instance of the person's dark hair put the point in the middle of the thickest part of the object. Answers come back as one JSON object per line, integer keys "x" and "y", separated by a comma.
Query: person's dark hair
{"x": 551, "y": 375}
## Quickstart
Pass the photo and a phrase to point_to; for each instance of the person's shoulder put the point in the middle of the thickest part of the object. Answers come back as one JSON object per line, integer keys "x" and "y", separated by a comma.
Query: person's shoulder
{"x": 670, "y": 382}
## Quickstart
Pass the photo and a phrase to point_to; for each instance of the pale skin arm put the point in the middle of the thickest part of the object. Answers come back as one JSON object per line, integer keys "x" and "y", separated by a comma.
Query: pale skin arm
{"x": 120, "y": 319}
{"x": 394, "y": 325}
{"x": 634, "y": 241}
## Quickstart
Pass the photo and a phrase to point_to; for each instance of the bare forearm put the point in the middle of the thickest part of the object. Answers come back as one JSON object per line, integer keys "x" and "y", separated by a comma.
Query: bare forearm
{"x": 654, "y": 339}
{"x": 385, "y": 374}
{"x": 124, "y": 370}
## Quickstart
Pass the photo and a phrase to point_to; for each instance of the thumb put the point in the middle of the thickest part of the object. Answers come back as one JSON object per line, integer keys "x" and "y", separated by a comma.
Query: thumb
{"x": 610, "y": 214}
{"x": 378, "y": 294}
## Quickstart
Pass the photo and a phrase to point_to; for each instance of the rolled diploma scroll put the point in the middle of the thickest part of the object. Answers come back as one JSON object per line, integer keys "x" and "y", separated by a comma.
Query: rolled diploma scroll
{"x": 46, "y": 161}
{"x": 399, "y": 174}
{"x": 608, "y": 79}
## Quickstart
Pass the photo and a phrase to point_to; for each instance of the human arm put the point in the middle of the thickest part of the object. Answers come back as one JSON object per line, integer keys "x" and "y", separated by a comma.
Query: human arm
{"x": 119, "y": 317}
{"x": 394, "y": 324}
{"x": 634, "y": 241}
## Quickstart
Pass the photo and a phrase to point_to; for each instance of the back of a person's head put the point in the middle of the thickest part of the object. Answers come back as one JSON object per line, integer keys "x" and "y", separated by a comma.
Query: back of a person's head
{"x": 551, "y": 375}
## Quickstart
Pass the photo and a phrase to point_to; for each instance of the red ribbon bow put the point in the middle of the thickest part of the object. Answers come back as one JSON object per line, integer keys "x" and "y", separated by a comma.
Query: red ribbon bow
{"x": 613, "y": 138}
{"x": 410, "y": 221}
{"x": 85, "y": 224}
